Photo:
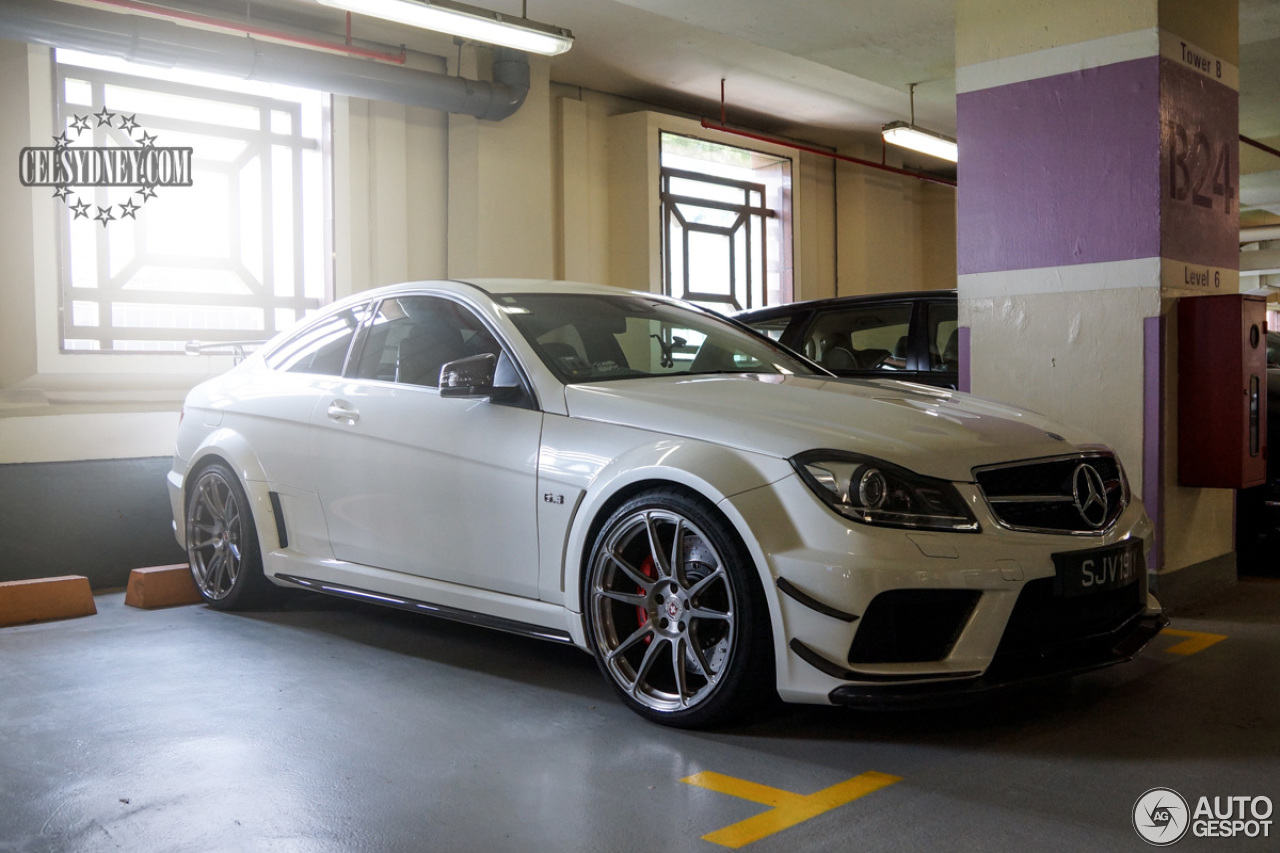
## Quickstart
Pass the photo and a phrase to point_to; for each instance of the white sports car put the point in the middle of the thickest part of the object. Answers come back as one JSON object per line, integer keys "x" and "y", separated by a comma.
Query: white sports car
{"x": 713, "y": 517}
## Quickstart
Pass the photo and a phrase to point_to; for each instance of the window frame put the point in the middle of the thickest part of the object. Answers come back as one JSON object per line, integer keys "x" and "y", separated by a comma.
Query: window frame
{"x": 263, "y": 295}
{"x": 750, "y": 217}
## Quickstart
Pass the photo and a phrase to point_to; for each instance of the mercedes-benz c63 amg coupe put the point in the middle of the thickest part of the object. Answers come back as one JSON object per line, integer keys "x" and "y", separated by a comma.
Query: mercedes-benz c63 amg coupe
{"x": 718, "y": 520}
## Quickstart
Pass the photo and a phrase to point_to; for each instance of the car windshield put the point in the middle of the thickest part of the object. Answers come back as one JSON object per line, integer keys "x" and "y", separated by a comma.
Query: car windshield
{"x": 600, "y": 338}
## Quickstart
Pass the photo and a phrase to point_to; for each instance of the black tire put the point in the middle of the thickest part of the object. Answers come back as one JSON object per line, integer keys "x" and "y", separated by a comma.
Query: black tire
{"x": 684, "y": 642}
{"x": 222, "y": 542}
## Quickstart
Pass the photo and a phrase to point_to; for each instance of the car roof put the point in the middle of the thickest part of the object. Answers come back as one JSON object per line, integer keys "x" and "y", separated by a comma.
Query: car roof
{"x": 487, "y": 286}
{"x": 492, "y": 286}
{"x": 844, "y": 302}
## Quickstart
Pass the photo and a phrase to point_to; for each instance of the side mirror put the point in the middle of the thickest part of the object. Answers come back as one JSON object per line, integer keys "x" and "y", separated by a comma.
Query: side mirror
{"x": 469, "y": 377}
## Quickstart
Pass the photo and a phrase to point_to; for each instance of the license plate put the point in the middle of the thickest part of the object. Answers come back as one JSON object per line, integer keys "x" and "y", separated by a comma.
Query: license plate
{"x": 1098, "y": 569}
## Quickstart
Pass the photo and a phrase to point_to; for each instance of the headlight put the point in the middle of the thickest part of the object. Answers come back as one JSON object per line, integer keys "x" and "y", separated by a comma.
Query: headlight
{"x": 873, "y": 491}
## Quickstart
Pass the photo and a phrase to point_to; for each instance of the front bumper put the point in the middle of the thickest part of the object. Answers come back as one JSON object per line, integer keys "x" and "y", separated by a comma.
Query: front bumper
{"x": 961, "y": 614}
{"x": 1010, "y": 669}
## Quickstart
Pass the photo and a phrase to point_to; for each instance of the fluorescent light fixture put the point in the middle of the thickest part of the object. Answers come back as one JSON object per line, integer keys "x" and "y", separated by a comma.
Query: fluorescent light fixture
{"x": 468, "y": 22}
{"x": 924, "y": 141}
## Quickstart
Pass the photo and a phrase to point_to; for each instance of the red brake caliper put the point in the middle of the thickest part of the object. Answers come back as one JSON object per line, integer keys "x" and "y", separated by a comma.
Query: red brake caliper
{"x": 642, "y": 615}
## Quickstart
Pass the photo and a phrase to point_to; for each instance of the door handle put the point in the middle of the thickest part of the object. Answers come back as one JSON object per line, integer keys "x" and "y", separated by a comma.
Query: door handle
{"x": 343, "y": 412}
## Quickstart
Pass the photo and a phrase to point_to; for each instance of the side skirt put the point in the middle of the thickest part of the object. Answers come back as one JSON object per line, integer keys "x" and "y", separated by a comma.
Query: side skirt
{"x": 444, "y": 612}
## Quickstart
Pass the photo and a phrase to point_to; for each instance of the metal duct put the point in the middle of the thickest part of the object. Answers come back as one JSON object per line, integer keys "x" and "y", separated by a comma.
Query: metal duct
{"x": 166, "y": 44}
{"x": 1260, "y": 233}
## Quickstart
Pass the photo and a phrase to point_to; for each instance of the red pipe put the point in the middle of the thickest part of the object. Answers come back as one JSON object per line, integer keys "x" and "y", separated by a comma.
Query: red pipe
{"x": 1256, "y": 144}
{"x": 276, "y": 35}
{"x": 842, "y": 158}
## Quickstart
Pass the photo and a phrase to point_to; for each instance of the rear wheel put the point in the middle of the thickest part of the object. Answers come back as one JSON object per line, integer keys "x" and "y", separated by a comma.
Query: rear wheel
{"x": 222, "y": 543}
{"x": 675, "y": 614}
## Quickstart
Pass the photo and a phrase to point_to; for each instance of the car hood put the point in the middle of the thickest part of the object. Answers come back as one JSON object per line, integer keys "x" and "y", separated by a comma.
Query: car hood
{"x": 931, "y": 431}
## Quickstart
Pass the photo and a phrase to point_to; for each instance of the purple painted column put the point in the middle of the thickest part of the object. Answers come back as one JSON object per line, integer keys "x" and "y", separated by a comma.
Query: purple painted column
{"x": 1098, "y": 185}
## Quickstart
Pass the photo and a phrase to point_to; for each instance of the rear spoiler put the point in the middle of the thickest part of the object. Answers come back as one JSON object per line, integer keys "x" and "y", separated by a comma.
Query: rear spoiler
{"x": 237, "y": 349}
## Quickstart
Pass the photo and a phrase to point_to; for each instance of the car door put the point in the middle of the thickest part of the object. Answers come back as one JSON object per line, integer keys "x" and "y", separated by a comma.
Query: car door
{"x": 413, "y": 482}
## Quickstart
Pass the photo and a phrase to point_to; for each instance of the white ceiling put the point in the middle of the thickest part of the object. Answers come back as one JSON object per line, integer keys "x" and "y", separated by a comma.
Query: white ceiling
{"x": 829, "y": 65}
{"x": 829, "y": 72}
{"x": 822, "y": 69}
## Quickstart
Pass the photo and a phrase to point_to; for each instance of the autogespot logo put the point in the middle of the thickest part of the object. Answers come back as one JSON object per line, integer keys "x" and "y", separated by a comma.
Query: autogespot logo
{"x": 1160, "y": 816}
{"x": 137, "y": 168}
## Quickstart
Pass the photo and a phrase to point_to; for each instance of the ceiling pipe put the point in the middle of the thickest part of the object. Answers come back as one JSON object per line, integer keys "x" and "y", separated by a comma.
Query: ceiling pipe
{"x": 163, "y": 43}
{"x": 1256, "y": 144}
{"x": 1260, "y": 233}
{"x": 252, "y": 30}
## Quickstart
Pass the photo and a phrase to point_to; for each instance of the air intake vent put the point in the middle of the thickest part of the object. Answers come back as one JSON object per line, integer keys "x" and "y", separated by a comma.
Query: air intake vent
{"x": 908, "y": 625}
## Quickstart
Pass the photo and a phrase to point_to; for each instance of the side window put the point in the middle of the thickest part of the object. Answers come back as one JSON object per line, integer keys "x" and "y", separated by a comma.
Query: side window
{"x": 944, "y": 337}
{"x": 872, "y": 338}
{"x": 773, "y": 327}
{"x": 411, "y": 337}
{"x": 319, "y": 347}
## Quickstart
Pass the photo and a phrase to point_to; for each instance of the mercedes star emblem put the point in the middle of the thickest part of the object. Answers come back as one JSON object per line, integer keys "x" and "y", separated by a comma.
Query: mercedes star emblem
{"x": 1090, "y": 495}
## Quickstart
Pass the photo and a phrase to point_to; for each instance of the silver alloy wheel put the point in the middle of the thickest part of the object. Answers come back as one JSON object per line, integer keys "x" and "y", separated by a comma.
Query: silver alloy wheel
{"x": 662, "y": 621}
{"x": 215, "y": 534}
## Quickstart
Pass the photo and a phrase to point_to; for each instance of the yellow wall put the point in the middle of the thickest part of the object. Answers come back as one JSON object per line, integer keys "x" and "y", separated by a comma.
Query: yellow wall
{"x": 895, "y": 232}
{"x": 988, "y": 30}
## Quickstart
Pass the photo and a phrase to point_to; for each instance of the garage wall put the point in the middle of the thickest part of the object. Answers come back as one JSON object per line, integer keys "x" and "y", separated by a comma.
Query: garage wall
{"x": 565, "y": 188}
{"x": 895, "y": 233}
{"x": 391, "y": 183}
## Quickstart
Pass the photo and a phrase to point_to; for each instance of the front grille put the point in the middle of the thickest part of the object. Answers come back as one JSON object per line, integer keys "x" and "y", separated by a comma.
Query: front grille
{"x": 906, "y": 625}
{"x": 1047, "y": 495}
{"x": 1045, "y": 625}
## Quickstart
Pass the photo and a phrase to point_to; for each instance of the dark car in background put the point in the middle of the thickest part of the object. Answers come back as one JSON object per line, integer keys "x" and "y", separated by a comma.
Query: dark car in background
{"x": 1258, "y": 509}
{"x": 910, "y": 336}
{"x": 913, "y": 336}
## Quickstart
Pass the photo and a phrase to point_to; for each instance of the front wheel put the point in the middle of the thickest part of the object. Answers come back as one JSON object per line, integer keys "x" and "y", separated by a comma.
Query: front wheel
{"x": 222, "y": 543}
{"x": 675, "y": 614}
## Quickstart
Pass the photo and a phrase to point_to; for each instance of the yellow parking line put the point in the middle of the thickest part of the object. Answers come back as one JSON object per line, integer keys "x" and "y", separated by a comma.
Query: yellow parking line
{"x": 1197, "y": 641}
{"x": 788, "y": 809}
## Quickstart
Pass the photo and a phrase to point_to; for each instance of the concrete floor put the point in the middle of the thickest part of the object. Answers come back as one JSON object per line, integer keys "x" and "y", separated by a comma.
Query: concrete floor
{"x": 330, "y": 726}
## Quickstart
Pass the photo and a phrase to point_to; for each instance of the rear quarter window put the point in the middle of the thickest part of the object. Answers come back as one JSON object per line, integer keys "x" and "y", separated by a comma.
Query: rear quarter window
{"x": 319, "y": 347}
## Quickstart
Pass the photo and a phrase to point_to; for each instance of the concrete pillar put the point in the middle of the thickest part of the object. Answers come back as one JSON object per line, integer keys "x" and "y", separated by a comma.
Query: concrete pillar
{"x": 501, "y": 192}
{"x": 1098, "y": 183}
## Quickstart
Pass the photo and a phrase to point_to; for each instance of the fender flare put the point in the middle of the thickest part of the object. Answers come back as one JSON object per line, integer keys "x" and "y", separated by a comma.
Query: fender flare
{"x": 712, "y": 471}
{"x": 232, "y": 449}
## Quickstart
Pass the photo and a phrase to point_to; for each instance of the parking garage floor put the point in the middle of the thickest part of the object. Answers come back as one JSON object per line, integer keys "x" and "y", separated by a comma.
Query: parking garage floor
{"x": 330, "y": 726}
